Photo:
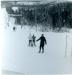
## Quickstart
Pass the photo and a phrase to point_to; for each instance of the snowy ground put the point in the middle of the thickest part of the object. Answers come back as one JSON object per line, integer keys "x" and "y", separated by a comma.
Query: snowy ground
{"x": 17, "y": 56}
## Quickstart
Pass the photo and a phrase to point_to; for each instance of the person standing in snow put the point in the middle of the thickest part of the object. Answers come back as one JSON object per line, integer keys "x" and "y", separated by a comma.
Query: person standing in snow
{"x": 34, "y": 39}
{"x": 30, "y": 39}
{"x": 42, "y": 43}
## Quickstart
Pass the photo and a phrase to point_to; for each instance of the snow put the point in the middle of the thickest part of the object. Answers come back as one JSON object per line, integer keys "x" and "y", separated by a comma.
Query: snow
{"x": 18, "y": 56}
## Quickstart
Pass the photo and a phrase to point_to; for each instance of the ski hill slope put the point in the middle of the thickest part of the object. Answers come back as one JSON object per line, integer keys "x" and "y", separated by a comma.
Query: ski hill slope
{"x": 18, "y": 56}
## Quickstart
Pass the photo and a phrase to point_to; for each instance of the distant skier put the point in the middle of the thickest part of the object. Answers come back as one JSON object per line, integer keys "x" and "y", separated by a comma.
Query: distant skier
{"x": 42, "y": 43}
{"x": 34, "y": 39}
{"x": 14, "y": 28}
{"x": 30, "y": 40}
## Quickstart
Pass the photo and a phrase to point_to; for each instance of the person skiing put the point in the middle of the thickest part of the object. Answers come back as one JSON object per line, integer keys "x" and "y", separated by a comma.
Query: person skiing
{"x": 34, "y": 39}
{"x": 42, "y": 43}
{"x": 30, "y": 39}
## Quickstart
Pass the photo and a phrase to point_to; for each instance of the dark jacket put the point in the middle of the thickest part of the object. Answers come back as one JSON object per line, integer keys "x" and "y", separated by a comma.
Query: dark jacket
{"x": 42, "y": 41}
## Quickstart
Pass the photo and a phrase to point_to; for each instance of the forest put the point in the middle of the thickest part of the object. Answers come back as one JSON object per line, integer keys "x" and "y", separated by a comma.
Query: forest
{"x": 54, "y": 16}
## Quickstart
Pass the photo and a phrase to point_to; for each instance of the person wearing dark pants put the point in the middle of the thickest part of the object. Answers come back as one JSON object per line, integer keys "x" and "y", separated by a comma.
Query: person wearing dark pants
{"x": 42, "y": 43}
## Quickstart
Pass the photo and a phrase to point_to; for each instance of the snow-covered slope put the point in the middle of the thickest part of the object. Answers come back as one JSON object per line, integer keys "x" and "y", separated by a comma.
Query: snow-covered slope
{"x": 18, "y": 56}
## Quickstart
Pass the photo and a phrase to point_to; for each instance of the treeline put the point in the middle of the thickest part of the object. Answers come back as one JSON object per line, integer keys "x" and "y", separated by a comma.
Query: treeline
{"x": 56, "y": 16}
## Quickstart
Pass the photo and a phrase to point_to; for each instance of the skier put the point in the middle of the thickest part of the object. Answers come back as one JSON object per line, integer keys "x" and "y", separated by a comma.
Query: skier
{"x": 30, "y": 39}
{"x": 34, "y": 39}
{"x": 42, "y": 43}
{"x": 14, "y": 28}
